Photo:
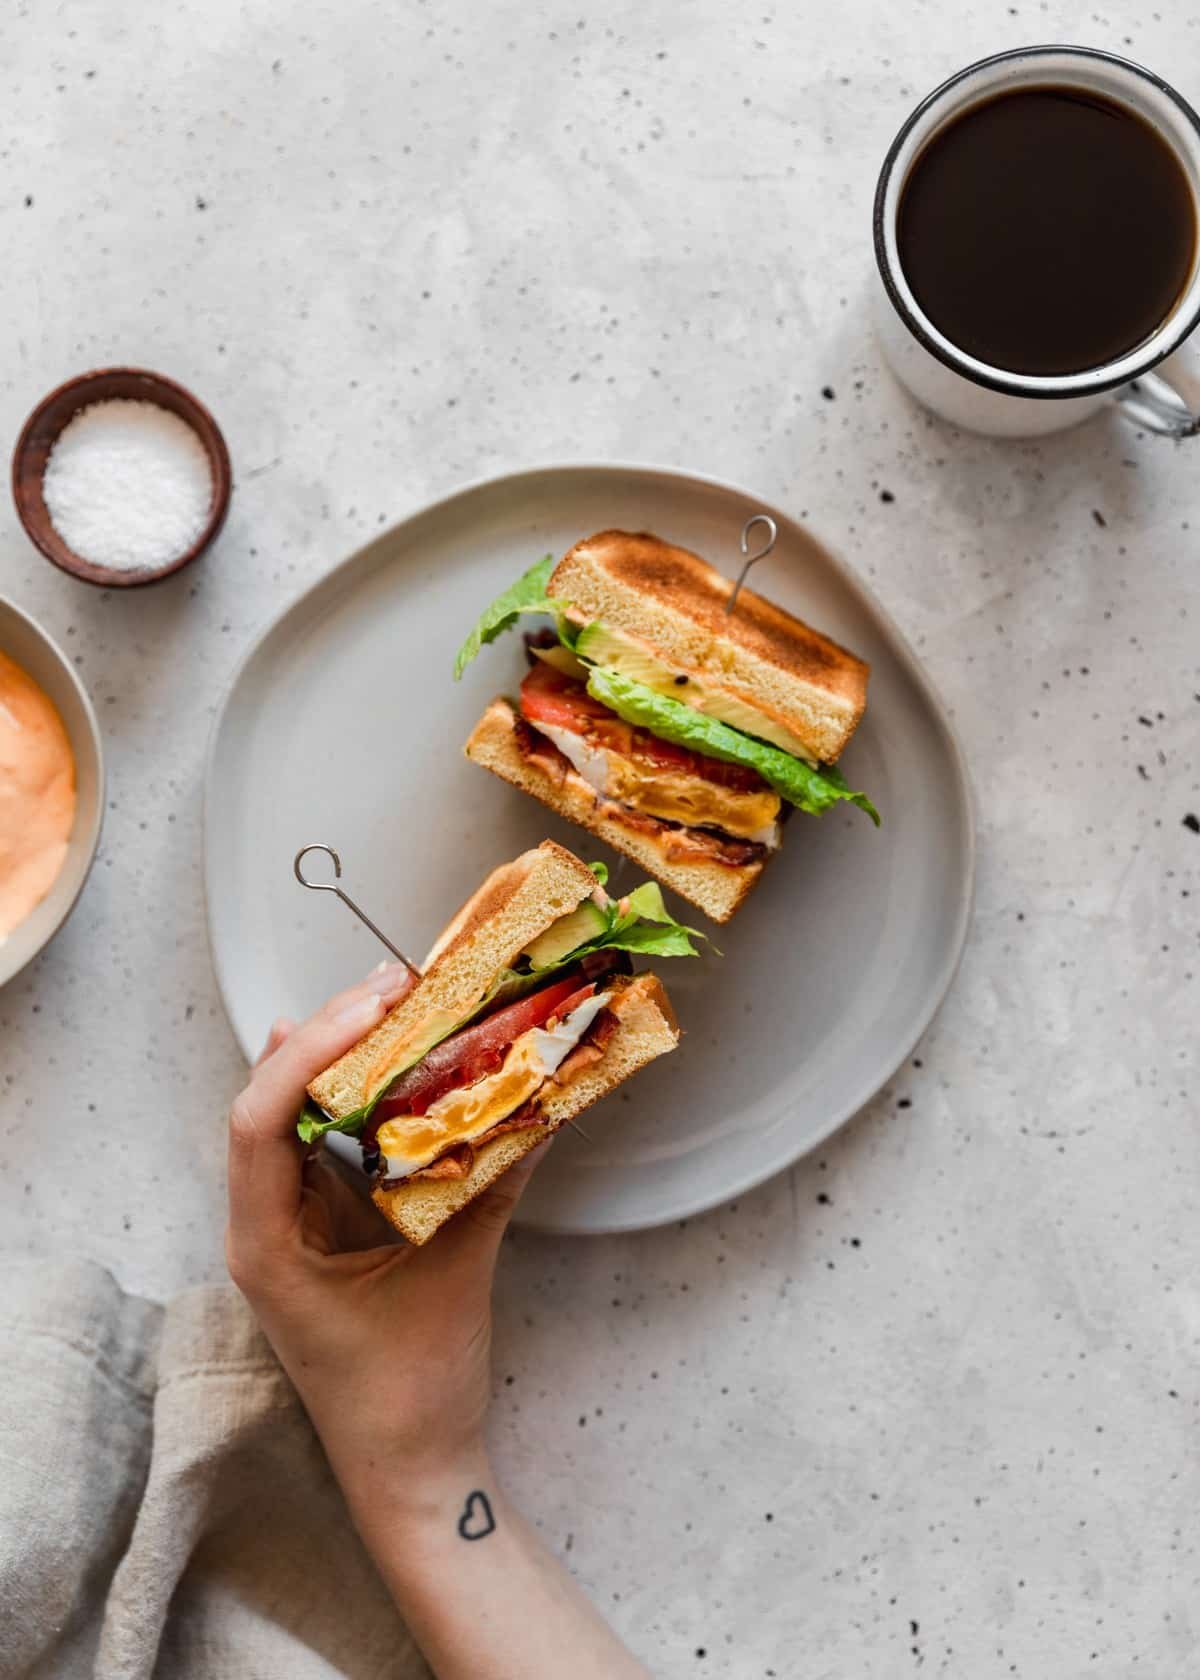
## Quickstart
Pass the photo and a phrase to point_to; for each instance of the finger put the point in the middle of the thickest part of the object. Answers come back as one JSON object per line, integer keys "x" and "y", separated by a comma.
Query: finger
{"x": 472, "y": 1240}
{"x": 304, "y": 1052}
{"x": 340, "y": 1208}
{"x": 265, "y": 1154}
{"x": 279, "y": 1031}
{"x": 390, "y": 981}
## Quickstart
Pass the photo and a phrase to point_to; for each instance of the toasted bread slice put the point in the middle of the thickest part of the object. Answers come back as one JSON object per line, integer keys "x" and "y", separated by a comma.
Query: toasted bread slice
{"x": 647, "y": 1029}
{"x": 718, "y": 888}
{"x": 675, "y": 603}
{"x": 514, "y": 905}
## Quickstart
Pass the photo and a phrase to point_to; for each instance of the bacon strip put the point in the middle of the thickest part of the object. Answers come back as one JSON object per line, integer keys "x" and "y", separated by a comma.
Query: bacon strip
{"x": 540, "y": 750}
{"x": 522, "y": 1121}
{"x": 582, "y": 1056}
{"x": 455, "y": 1163}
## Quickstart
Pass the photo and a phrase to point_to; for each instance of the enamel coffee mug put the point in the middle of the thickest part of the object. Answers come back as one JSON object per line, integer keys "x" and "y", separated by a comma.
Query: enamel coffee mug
{"x": 1156, "y": 380}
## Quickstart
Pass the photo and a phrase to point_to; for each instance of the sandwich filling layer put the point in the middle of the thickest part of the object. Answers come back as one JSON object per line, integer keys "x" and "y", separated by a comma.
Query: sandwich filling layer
{"x": 679, "y": 844}
{"x": 668, "y": 794}
{"x": 634, "y": 768}
{"x": 408, "y": 1143}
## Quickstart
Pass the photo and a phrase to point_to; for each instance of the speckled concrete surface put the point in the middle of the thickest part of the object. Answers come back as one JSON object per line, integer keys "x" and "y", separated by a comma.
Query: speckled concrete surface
{"x": 929, "y": 1401}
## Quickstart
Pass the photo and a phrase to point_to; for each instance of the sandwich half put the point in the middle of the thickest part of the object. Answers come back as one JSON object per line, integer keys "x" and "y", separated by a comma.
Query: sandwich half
{"x": 678, "y": 733}
{"x": 527, "y": 1012}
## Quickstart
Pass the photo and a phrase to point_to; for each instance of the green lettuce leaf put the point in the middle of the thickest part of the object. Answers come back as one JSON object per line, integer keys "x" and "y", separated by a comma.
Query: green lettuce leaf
{"x": 645, "y": 927}
{"x": 527, "y": 595}
{"x": 314, "y": 1122}
{"x": 810, "y": 790}
{"x": 646, "y": 941}
{"x": 646, "y": 902}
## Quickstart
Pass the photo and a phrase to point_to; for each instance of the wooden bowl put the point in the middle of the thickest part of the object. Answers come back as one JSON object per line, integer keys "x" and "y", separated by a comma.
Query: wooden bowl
{"x": 51, "y": 416}
{"x": 36, "y": 652}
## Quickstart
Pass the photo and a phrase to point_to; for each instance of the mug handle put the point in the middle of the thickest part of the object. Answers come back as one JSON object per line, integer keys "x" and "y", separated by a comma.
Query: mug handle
{"x": 1167, "y": 400}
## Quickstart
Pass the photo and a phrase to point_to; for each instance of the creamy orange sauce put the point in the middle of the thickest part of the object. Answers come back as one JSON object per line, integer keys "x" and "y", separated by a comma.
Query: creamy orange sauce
{"x": 37, "y": 795}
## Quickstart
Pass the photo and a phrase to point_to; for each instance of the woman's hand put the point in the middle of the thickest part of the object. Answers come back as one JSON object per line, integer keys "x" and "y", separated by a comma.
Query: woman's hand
{"x": 389, "y": 1349}
{"x": 387, "y": 1345}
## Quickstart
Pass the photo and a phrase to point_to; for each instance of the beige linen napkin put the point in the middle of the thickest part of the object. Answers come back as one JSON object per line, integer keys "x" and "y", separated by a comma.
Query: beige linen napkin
{"x": 166, "y": 1512}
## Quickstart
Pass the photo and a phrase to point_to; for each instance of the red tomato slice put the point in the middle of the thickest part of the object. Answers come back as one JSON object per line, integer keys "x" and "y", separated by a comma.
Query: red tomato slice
{"x": 569, "y": 1005}
{"x": 550, "y": 696}
{"x": 473, "y": 1053}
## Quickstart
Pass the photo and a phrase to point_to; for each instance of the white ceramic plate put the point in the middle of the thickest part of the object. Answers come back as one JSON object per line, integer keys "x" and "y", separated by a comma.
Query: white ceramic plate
{"x": 344, "y": 725}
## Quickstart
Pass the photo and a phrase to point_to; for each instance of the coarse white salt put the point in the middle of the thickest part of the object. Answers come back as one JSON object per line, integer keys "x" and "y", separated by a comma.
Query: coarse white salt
{"x": 128, "y": 485}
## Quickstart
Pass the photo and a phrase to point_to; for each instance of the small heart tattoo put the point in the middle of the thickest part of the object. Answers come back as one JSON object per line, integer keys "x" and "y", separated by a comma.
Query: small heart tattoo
{"x": 477, "y": 1521}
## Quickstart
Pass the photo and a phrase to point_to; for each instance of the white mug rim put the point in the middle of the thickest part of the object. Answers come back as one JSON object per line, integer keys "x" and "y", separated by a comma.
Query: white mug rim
{"x": 1132, "y": 363}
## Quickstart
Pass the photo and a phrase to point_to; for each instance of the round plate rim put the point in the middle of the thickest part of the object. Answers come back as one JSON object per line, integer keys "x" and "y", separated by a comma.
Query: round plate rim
{"x": 936, "y": 995}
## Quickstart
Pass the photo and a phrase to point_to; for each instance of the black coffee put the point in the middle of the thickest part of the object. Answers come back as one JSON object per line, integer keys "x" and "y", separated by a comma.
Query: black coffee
{"x": 1047, "y": 230}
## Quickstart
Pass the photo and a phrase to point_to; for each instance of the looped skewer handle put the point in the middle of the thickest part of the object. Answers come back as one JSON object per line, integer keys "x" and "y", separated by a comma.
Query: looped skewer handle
{"x": 772, "y": 532}
{"x": 332, "y": 886}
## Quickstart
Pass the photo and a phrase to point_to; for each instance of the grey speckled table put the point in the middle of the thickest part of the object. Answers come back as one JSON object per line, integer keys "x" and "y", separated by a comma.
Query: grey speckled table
{"x": 930, "y": 1399}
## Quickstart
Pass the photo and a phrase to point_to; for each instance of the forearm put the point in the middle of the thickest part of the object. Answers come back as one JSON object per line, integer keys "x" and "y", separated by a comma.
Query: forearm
{"x": 388, "y": 1348}
{"x": 480, "y": 1593}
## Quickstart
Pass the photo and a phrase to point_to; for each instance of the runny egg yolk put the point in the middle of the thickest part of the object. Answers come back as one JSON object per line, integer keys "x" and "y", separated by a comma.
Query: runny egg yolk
{"x": 671, "y": 795}
{"x": 413, "y": 1141}
{"x": 677, "y": 797}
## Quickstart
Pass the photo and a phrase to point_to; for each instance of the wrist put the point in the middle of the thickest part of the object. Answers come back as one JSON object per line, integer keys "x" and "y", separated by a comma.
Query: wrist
{"x": 413, "y": 1492}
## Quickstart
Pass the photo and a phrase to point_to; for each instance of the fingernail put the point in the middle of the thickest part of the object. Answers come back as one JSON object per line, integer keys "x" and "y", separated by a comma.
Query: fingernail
{"x": 362, "y": 1012}
{"x": 391, "y": 978}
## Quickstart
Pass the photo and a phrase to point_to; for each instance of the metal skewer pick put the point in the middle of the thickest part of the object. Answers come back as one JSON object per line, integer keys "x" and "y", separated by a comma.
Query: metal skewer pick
{"x": 772, "y": 533}
{"x": 332, "y": 886}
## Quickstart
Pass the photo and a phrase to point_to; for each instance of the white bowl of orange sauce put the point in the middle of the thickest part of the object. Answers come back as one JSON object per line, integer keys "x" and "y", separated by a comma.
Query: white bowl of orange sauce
{"x": 51, "y": 788}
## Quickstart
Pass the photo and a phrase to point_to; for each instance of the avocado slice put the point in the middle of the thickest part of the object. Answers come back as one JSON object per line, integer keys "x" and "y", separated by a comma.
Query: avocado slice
{"x": 562, "y": 660}
{"x": 567, "y": 934}
{"x": 601, "y": 646}
{"x": 615, "y": 651}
